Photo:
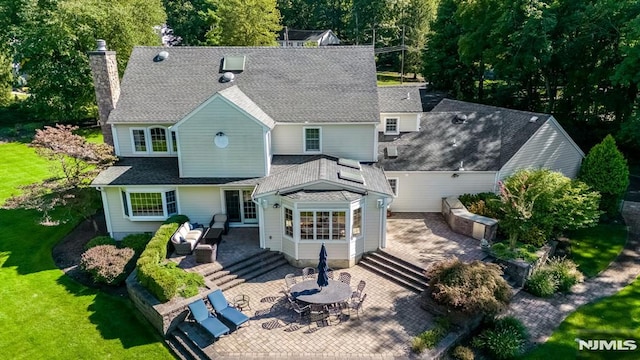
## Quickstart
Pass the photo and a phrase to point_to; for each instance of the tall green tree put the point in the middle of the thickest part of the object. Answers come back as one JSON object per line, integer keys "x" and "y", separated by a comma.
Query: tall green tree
{"x": 54, "y": 36}
{"x": 6, "y": 79}
{"x": 606, "y": 170}
{"x": 243, "y": 22}
{"x": 187, "y": 19}
{"x": 417, "y": 17}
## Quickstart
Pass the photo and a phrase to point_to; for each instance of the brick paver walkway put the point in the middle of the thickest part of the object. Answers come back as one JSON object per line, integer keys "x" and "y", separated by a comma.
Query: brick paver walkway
{"x": 542, "y": 316}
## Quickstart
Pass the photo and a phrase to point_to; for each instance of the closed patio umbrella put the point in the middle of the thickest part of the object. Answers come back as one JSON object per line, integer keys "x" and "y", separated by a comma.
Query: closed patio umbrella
{"x": 323, "y": 278}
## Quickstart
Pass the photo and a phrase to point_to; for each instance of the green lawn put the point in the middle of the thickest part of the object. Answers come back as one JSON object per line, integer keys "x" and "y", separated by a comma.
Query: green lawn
{"x": 387, "y": 78}
{"x": 19, "y": 166}
{"x": 593, "y": 249}
{"x": 45, "y": 314}
{"x": 613, "y": 318}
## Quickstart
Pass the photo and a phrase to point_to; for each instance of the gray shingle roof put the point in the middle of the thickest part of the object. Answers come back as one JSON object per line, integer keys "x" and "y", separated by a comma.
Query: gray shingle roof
{"x": 156, "y": 171}
{"x": 342, "y": 195}
{"x": 291, "y": 172}
{"x": 485, "y": 142}
{"x": 236, "y": 96}
{"x": 291, "y": 85}
{"x": 399, "y": 99}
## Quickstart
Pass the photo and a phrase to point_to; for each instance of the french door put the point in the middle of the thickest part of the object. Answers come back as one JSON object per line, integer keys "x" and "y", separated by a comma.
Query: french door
{"x": 240, "y": 208}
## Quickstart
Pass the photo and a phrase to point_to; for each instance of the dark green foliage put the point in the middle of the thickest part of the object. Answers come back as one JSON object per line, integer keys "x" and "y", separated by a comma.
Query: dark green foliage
{"x": 99, "y": 240}
{"x": 526, "y": 252}
{"x": 242, "y": 23}
{"x": 556, "y": 275}
{"x": 462, "y": 353}
{"x": 187, "y": 20}
{"x": 137, "y": 242}
{"x": 485, "y": 204}
{"x": 106, "y": 263}
{"x": 474, "y": 287}
{"x": 161, "y": 278}
{"x": 505, "y": 338}
{"x": 606, "y": 170}
{"x": 430, "y": 338}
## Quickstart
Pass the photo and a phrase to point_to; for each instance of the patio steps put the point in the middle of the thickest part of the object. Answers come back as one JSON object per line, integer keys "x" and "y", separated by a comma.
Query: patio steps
{"x": 246, "y": 269}
{"x": 395, "y": 269}
{"x": 183, "y": 346}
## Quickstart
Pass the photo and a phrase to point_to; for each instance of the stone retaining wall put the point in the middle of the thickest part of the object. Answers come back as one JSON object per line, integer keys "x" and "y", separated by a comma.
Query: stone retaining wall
{"x": 164, "y": 317}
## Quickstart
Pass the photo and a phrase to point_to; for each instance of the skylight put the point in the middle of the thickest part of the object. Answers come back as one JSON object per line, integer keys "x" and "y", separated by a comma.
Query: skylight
{"x": 351, "y": 176}
{"x": 354, "y": 164}
{"x": 233, "y": 63}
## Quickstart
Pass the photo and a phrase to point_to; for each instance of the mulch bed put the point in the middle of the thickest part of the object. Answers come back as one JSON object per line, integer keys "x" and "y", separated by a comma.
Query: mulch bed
{"x": 66, "y": 254}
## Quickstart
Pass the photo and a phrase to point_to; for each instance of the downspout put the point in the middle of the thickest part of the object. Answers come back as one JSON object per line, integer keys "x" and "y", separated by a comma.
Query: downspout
{"x": 105, "y": 207}
{"x": 260, "y": 218}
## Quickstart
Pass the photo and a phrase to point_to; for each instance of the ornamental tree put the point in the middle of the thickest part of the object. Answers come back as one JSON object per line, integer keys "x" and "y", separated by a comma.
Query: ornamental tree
{"x": 606, "y": 170}
{"x": 538, "y": 203}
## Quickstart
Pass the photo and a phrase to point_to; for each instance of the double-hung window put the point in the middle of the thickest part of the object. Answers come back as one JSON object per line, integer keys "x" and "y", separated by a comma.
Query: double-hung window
{"x": 356, "y": 228}
{"x": 312, "y": 140}
{"x": 393, "y": 182}
{"x": 149, "y": 205}
{"x": 391, "y": 126}
{"x": 153, "y": 140}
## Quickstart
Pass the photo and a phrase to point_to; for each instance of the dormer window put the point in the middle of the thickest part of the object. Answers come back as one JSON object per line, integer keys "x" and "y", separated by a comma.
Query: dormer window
{"x": 152, "y": 140}
{"x": 391, "y": 126}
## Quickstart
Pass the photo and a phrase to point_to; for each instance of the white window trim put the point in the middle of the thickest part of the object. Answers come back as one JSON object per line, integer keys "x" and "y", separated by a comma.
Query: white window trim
{"x": 397, "y": 132}
{"x": 163, "y": 192}
{"x": 315, "y": 240}
{"x": 148, "y": 143}
{"x": 397, "y": 185}
{"x": 304, "y": 140}
{"x": 293, "y": 222}
{"x": 351, "y": 222}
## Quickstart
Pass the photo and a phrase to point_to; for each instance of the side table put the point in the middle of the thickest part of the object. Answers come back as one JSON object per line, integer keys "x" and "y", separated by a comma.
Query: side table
{"x": 241, "y": 302}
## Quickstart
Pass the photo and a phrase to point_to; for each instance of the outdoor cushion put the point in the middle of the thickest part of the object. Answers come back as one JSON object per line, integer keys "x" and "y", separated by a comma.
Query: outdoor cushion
{"x": 222, "y": 308}
{"x": 209, "y": 322}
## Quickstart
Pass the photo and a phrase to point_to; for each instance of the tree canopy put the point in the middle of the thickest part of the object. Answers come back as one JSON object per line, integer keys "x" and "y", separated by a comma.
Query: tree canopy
{"x": 50, "y": 40}
{"x": 243, "y": 22}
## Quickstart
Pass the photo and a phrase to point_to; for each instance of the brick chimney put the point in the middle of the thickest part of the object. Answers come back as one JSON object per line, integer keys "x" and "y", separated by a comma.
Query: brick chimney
{"x": 107, "y": 85}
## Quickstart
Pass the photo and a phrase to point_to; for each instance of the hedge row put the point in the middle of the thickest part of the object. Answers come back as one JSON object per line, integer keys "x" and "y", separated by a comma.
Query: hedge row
{"x": 161, "y": 278}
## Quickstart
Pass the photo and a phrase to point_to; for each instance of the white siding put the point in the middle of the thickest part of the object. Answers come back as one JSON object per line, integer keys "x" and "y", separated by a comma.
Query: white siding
{"x": 200, "y": 157}
{"x": 273, "y": 229}
{"x": 351, "y": 141}
{"x": 548, "y": 148}
{"x": 199, "y": 203}
{"x": 335, "y": 250}
{"x": 406, "y": 121}
{"x": 371, "y": 218}
{"x": 423, "y": 191}
{"x": 125, "y": 141}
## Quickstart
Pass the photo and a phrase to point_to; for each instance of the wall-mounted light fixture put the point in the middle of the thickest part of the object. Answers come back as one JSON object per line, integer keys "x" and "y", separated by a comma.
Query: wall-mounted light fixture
{"x": 221, "y": 140}
{"x": 276, "y": 206}
{"x": 380, "y": 203}
{"x": 455, "y": 175}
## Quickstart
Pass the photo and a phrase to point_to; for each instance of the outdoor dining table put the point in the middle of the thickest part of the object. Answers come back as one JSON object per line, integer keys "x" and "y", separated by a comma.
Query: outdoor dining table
{"x": 309, "y": 292}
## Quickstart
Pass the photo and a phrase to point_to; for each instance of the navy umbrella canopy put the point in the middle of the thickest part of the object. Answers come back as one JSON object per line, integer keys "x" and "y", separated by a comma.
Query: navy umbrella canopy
{"x": 323, "y": 278}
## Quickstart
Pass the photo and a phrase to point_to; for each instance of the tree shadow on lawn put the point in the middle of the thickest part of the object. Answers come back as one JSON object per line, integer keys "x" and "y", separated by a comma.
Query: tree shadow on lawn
{"x": 115, "y": 317}
{"x": 26, "y": 244}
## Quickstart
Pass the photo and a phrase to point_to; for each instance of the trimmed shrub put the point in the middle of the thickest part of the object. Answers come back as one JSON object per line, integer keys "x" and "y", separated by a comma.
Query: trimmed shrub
{"x": 485, "y": 204}
{"x": 541, "y": 283}
{"x": 474, "y": 287}
{"x": 137, "y": 242}
{"x": 503, "y": 339}
{"x": 165, "y": 279}
{"x": 100, "y": 240}
{"x": 525, "y": 252}
{"x": 106, "y": 263}
{"x": 462, "y": 353}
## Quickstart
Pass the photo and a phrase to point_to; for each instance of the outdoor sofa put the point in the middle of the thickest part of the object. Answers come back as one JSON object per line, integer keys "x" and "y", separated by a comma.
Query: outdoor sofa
{"x": 186, "y": 238}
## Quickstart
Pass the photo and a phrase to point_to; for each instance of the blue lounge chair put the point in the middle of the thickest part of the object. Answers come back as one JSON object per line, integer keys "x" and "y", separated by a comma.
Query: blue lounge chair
{"x": 203, "y": 317}
{"x": 222, "y": 308}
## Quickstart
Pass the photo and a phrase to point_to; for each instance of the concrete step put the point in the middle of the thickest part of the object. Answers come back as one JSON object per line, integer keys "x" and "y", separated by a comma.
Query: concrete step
{"x": 241, "y": 273}
{"x": 369, "y": 266}
{"x": 192, "y": 337}
{"x": 252, "y": 275}
{"x": 244, "y": 263}
{"x": 413, "y": 271}
{"x": 178, "y": 347}
{"x": 397, "y": 271}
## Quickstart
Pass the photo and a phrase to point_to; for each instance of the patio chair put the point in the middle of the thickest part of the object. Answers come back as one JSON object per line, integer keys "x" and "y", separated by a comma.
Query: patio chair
{"x": 207, "y": 320}
{"x": 336, "y": 310}
{"x": 318, "y": 312}
{"x": 345, "y": 277}
{"x": 220, "y": 221}
{"x": 357, "y": 305}
{"x": 290, "y": 280}
{"x": 300, "y": 310}
{"x": 357, "y": 294}
{"x": 308, "y": 273}
{"x": 222, "y": 308}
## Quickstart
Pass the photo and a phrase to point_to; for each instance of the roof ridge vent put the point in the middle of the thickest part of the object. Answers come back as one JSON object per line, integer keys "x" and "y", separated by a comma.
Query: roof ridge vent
{"x": 227, "y": 76}
{"x": 533, "y": 119}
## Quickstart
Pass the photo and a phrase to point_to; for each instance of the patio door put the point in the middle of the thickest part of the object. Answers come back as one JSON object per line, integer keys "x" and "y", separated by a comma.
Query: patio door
{"x": 240, "y": 208}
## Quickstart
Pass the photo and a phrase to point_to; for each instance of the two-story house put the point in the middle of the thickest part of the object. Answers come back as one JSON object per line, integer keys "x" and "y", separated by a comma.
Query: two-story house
{"x": 281, "y": 139}
{"x": 299, "y": 142}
